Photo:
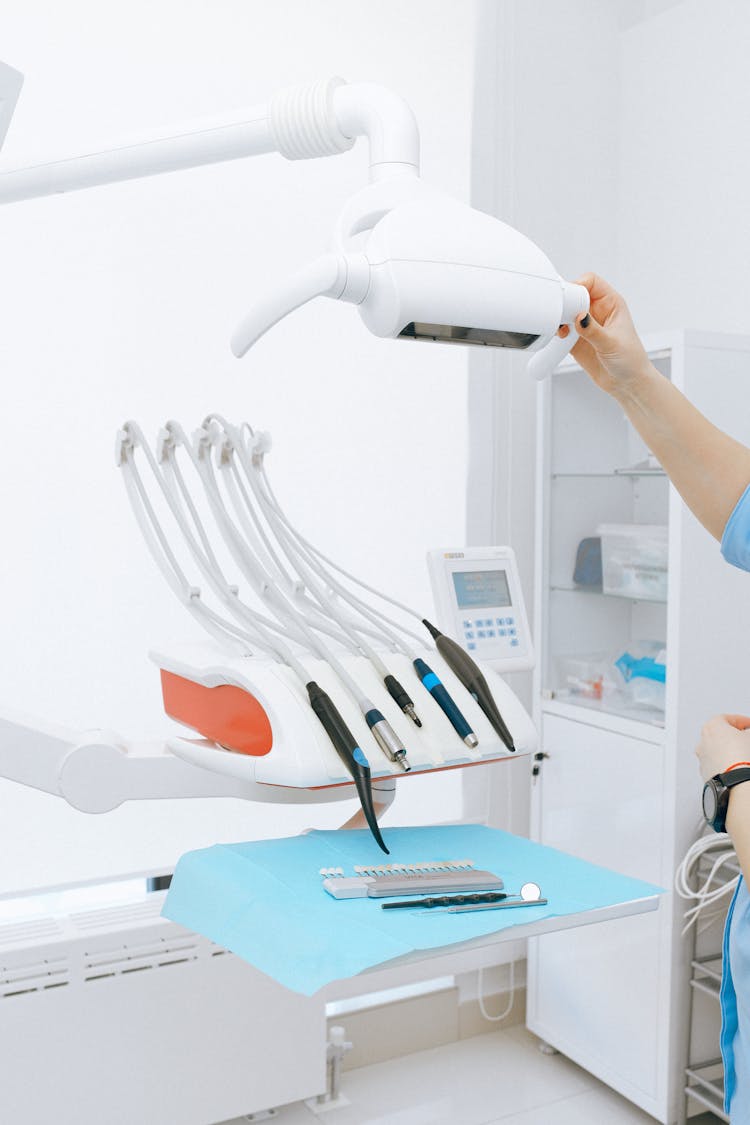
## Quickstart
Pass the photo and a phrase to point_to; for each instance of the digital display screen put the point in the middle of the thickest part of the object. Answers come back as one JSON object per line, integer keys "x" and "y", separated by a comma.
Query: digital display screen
{"x": 481, "y": 589}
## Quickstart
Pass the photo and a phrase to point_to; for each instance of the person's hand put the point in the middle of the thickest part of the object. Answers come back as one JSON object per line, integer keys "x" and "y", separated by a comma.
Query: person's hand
{"x": 725, "y": 740}
{"x": 609, "y": 348}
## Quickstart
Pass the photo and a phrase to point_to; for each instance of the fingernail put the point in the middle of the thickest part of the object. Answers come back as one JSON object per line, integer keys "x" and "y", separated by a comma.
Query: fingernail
{"x": 585, "y": 321}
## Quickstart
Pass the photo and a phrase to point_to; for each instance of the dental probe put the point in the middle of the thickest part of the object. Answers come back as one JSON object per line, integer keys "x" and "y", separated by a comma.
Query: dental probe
{"x": 267, "y": 589}
{"x": 470, "y": 675}
{"x": 495, "y": 905}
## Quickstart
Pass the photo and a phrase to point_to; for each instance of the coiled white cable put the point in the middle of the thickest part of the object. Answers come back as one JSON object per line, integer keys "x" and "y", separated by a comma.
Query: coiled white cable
{"x": 708, "y": 897}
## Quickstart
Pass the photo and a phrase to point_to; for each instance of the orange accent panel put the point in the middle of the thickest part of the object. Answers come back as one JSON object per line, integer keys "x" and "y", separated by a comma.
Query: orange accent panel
{"x": 226, "y": 714}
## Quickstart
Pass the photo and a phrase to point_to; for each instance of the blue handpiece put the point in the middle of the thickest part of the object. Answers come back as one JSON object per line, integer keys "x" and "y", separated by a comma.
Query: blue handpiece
{"x": 443, "y": 698}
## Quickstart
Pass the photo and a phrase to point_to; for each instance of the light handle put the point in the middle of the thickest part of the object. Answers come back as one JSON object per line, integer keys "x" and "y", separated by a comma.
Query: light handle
{"x": 544, "y": 362}
{"x": 343, "y": 277}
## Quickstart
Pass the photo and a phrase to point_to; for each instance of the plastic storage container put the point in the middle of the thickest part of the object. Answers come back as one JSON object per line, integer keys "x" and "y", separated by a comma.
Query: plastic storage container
{"x": 587, "y": 676}
{"x": 644, "y": 671}
{"x": 634, "y": 560}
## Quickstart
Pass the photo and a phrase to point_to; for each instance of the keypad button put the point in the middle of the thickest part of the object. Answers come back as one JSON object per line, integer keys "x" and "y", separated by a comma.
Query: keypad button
{"x": 490, "y": 632}
{"x": 471, "y": 646}
{"x": 481, "y": 634}
{"x": 511, "y": 632}
{"x": 502, "y": 632}
{"x": 514, "y": 643}
{"x": 468, "y": 624}
{"x": 469, "y": 634}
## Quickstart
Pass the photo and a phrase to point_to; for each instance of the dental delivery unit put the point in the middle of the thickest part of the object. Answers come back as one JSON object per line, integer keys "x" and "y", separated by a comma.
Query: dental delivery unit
{"x": 313, "y": 690}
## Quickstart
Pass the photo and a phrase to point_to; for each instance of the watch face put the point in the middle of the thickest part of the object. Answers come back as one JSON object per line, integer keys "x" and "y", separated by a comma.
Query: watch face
{"x": 710, "y": 802}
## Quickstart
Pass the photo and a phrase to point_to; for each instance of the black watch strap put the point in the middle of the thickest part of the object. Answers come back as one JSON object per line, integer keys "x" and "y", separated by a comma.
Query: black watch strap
{"x": 735, "y": 776}
{"x": 716, "y": 794}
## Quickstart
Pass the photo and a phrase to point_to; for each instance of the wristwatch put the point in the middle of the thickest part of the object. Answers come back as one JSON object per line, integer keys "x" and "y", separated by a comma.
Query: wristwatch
{"x": 716, "y": 796}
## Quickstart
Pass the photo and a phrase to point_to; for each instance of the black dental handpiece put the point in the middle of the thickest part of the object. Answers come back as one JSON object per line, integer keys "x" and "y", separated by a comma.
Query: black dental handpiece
{"x": 402, "y": 698}
{"x": 470, "y": 675}
{"x": 349, "y": 752}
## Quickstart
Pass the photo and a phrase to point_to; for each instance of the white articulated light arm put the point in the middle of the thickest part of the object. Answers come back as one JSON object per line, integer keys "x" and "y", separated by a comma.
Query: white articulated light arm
{"x": 300, "y": 123}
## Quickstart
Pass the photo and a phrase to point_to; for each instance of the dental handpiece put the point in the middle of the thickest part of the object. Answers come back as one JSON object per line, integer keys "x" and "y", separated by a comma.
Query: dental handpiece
{"x": 445, "y": 701}
{"x": 401, "y": 698}
{"x": 386, "y": 738}
{"x": 349, "y": 752}
{"x": 470, "y": 675}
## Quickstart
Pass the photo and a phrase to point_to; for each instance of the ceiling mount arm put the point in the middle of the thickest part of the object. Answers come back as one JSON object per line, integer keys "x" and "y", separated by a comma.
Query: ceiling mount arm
{"x": 317, "y": 119}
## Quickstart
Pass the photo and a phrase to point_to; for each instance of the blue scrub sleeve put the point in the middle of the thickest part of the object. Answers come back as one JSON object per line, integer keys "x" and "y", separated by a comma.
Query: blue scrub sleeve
{"x": 735, "y": 542}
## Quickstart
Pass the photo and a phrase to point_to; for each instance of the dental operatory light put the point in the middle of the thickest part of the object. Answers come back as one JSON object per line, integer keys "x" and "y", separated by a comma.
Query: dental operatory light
{"x": 418, "y": 264}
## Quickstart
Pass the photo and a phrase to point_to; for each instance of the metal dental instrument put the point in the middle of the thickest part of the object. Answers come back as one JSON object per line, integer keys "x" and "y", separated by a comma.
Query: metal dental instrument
{"x": 496, "y": 905}
{"x": 470, "y": 675}
{"x": 529, "y": 895}
{"x": 446, "y": 900}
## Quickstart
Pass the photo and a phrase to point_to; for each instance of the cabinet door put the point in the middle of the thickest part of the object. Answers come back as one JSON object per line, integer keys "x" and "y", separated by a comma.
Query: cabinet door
{"x": 594, "y": 991}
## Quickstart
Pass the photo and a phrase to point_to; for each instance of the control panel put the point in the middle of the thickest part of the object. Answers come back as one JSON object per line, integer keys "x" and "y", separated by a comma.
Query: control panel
{"x": 479, "y": 603}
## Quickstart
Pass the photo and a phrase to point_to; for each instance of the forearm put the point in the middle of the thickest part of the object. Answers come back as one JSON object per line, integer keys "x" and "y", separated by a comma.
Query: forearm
{"x": 738, "y": 825}
{"x": 708, "y": 468}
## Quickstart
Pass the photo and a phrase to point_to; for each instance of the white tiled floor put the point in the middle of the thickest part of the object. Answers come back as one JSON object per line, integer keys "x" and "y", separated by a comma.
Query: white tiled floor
{"x": 497, "y": 1079}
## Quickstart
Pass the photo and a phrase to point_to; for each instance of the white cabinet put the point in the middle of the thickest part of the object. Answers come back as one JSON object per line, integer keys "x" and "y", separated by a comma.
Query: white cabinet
{"x": 594, "y": 992}
{"x": 621, "y": 786}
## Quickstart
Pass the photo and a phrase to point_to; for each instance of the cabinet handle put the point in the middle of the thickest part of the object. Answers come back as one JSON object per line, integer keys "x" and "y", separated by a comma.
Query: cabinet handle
{"x": 538, "y": 759}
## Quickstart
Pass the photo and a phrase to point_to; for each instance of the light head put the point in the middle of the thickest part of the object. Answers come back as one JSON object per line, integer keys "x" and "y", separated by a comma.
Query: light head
{"x": 422, "y": 266}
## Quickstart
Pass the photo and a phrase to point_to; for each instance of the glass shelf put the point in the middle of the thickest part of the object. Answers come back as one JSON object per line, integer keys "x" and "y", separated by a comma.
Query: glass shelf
{"x": 590, "y": 591}
{"x": 611, "y": 474}
{"x": 617, "y": 707}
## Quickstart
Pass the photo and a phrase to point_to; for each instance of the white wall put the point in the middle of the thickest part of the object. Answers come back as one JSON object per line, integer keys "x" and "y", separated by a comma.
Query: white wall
{"x": 615, "y": 135}
{"x": 118, "y": 303}
{"x": 683, "y": 226}
{"x": 544, "y": 160}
